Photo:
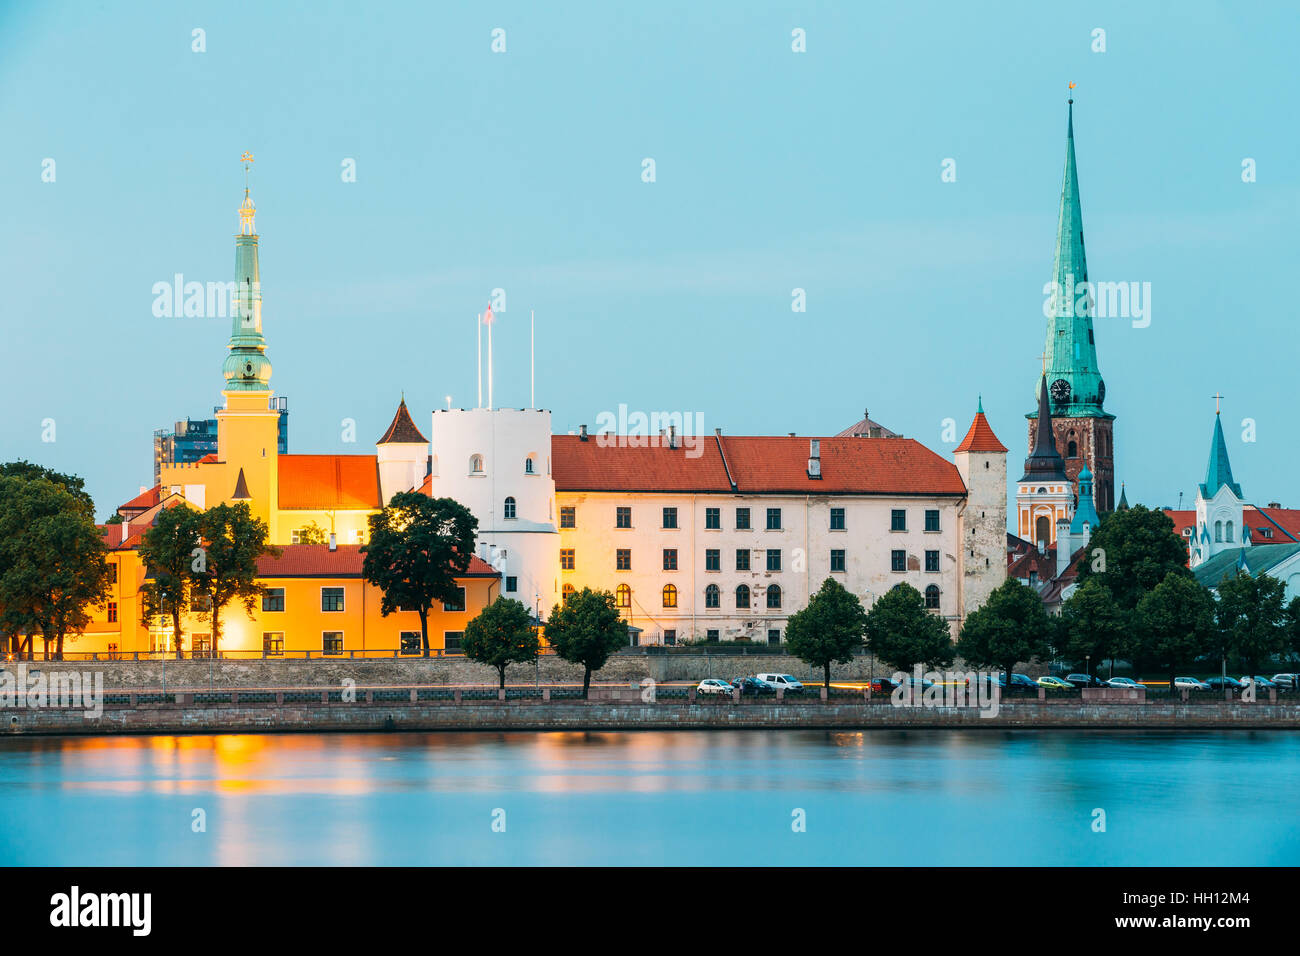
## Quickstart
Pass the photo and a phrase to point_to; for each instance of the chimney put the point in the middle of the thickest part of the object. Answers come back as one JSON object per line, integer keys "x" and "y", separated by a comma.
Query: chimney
{"x": 672, "y": 436}
{"x": 333, "y": 542}
{"x": 125, "y": 529}
{"x": 582, "y": 432}
{"x": 1275, "y": 504}
{"x": 814, "y": 458}
{"x": 717, "y": 431}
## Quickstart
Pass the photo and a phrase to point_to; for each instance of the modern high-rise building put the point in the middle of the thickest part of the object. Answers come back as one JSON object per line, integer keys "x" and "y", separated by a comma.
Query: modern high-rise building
{"x": 194, "y": 438}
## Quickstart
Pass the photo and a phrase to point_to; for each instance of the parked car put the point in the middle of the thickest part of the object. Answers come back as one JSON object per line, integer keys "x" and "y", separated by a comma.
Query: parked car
{"x": 1055, "y": 683}
{"x": 882, "y": 685}
{"x": 714, "y": 686}
{"x": 1123, "y": 682}
{"x": 1287, "y": 681}
{"x": 917, "y": 685}
{"x": 1224, "y": 683}
{"x": 1021, "y": 682}
{"x": 988, "y": 679}
{"x": 1261, "y": 683}
{"x": 753, "y": 687}
{"x": 1085, "y": 680}
{"x": 1190, "y": 683}
{"x": 784, "y": 682}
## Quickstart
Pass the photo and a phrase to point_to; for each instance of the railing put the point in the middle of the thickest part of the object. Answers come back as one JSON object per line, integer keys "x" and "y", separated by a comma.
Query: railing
{"x": 303, "y": 655}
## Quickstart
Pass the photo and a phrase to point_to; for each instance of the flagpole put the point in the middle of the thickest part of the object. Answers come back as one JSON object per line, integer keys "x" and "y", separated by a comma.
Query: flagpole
{"x": 490, "y": 324}
{"x": 532, "y": 359}
{"x": 478, "y": 323}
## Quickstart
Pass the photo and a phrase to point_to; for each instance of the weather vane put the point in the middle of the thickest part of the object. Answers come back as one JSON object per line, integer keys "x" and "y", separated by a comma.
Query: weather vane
{"x": 1072, "y": 86}
{"x": 247, "y": 160}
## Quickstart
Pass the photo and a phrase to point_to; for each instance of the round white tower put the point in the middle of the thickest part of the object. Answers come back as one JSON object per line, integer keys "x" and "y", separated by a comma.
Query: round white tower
{"x": 497, "y": 463}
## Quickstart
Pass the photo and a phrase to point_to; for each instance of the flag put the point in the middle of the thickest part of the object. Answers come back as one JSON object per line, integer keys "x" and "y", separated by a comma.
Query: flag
{"x": 487, "y": 316}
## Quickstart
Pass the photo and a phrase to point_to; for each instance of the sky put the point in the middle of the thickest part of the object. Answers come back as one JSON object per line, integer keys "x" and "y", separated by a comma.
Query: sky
{"x": 774, "y": 170}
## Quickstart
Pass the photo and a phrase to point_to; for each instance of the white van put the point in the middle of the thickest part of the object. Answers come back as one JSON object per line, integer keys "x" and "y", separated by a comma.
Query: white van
{"x": 783, "y": 682}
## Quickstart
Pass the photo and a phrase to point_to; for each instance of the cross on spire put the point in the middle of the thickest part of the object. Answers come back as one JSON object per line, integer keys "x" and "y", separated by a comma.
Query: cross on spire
{"x": 1217, "y": 398}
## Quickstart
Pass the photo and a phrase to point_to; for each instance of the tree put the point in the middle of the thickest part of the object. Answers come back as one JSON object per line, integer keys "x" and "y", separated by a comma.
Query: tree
{"x": 225, "y": 570}
{"x": 1174, "y": 623}
{"x": 168, "y": 552}
{"x": 30, "y": 471}
{"x": 418, "y": 547}
{"x": 1092, "y": 625}
{"x": 1252, "y": 618}
{"x": 1131, "y": 552}
{"x": 1011, "y": 626}
{"x": 52, "y": 558}
{"x": 312, "y": 533}
{"x": 501, "y": 634}
{"x": 1292, "y": 624}
{"x": 902, "y": 633}
{"x": 828, "y": 630}
{"x": 586, "y": 629}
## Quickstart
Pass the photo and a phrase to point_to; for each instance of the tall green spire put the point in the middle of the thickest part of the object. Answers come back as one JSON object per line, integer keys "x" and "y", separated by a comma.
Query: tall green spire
{"x": 247, "y": 369}
{"x": 1070, "y": 354}
{"x": 1219, "y": 470}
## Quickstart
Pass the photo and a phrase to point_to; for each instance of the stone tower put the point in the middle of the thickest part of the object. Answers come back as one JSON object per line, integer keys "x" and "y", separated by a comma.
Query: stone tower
{"x": 1084, "y": 432}
{"x": 982, "y": 528}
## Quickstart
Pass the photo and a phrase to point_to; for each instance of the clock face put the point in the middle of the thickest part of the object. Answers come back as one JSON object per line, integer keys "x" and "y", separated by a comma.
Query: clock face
{"x": 248, "y": 369}
{"x": 1060, "y": 391}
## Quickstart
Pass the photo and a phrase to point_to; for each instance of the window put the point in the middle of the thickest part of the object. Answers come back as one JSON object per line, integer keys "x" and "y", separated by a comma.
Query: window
{"x": 273, "y": 599}
{"x": 898, "y": 520}
{"x": 622, "y": 517}
{"x": 566, "y": 592}
{"x": 898, "y": 560}
{"x": 411, "y": 642}
{"x": 332, "y": 642}
{"x": 530, "y": 466}
{"x": 712, "y": 634}
{"x": 773, "y": 635}
{"x": 567, "y": 559}
{"x": 1227, "y": 532}
{"x": 774, "y": 595}
{"x": 457, "y": 603}
{"x": 451, "y": 641}
{"x": 670, "y": 559}
{"x": 200, "y": 645}
{"x": 774, "y": 559}
{"x": 712, "y": 596}
{"x": 623, "y": 596}
{"x": 742, "y": 559}
{"x": 512, "y": 584}
{"x": 670, "y": 638}
{"x": 623, "y": 559}
{"x": 837, "y": 559}
{"x": 932, "y": 560}
{"x": 112, "y": 612}
{"x": 712, "y": 559}
{"x": 670, "y": 517}
{"x": 670, "y": 595}
{"x": 1071, "y": 449}
{"x": 932, "y": 597}
{"x": 273, "y": 643}
{"x": 1218, "y": 531}
{"x": 932, "y": 519}
{"x": 476, "y": 464}
{"x": 837, "y": 519}
{"x": 112, "y": 574}
{"x": 568, "y": 516}
{"x": 712, "y": 519}
{"x": 510, "y": 508}
{"x": 773, "y": 519}
{"x": 331, "y": 599}
{"x": 742, "y": 519}
{"x": 742, "y": 596}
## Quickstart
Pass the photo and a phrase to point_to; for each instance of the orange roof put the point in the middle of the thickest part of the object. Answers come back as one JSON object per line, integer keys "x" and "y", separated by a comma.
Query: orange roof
{"x": 980, "y": 437}
{"x": 317, "y": 560}
{"x": 143, "y": 501}
{"x": 752, "y": 465}
{"x": 329, "y": 482}
{"x": 1267, "y": 525}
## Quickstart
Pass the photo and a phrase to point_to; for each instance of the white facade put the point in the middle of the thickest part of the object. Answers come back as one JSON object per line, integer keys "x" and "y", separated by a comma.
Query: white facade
{"x": 1219, "y": 524}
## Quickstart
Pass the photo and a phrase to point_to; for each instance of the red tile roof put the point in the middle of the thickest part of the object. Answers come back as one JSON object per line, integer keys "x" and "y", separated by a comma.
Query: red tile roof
{"x": 208, "y": 459}
{"x": 1043, "y": 564}
{"x": 329, "y": 482}
{"x": 318, "y": 561}
{"x": 598, "y": 464}
{"x": 402, "y": 429}
{"x": 143, "y": 501}
{"x": 980, "y": 437}
{"x": 1267, "y": 525}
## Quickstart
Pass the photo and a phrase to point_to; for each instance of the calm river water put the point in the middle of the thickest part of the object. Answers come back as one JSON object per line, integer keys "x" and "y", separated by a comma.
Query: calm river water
{"x": 917, "y": 797}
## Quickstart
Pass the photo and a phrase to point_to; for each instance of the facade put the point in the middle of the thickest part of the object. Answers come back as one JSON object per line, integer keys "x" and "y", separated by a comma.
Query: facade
{"x": 194, "y": 439}
{"x": 1044, "y": 494}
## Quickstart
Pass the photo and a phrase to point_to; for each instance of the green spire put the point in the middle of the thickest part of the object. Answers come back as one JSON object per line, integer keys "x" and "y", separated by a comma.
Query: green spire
{"x": 1074, "y": 381}
{"x": 1219, "y": 471}
{"x": 980, "y": 410}
{"x": 247, "y": 368}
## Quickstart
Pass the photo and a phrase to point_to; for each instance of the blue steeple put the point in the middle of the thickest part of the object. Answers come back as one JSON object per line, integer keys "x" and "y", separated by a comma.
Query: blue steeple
{"x": 1086, "y": 512}
{"x": 1219, "y": 470}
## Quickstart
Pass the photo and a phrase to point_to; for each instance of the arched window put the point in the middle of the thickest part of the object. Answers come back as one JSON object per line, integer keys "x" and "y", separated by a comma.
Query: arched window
{"x": 530, "y": 465}
{"x": 774, "y": 595}
{"x": 1071, "y": 449}
{"x": 670, "y": 595}
{"x": 932, "y": 597}
{"x": 510, "y": 508}
{"x": 1227, "y": 532}
{"x": 567, "y": 592}
{"x": 1042, "y": 530}
{"x": 742, "y": 596}
{"x": 1218, "y": 531}
{"x": 623, "y": 596}
{"x": 712, "y": 596}
{"x": 476, "y": 464}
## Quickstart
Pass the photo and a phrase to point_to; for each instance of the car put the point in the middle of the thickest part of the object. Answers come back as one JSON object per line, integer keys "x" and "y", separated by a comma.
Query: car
{"x": 1288, "y": 681}
{"x": 713, "y": 685}
{"x": 1085, "y": 680}
{"x": 753, "y": 687}
{"x": 1190, "y": 683}
{"x": 1055, "y": 683}
{"x": 882, "y": 685}
{"x": 1021, "y": 682}
{"x": 1261, "y": 683}
{"x": 988, "y": 679}
{"x": 790, "y": 685}
{"x": 1224, "y": 683}
{"x": 1127, "y": 682}
{"x": 915, "y": 683}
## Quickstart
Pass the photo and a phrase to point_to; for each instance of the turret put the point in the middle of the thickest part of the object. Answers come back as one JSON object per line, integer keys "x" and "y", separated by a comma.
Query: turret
{"x": 403, "y": 455}
{"x": 981, "y": 461}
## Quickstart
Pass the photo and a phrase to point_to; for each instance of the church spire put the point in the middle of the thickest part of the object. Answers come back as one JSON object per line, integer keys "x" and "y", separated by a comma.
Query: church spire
{"x": 1219, "y": 470}
{"x": 1044, "y": 461}
{"x": 247, "y": 368}
{"x": 1076, "y": 387}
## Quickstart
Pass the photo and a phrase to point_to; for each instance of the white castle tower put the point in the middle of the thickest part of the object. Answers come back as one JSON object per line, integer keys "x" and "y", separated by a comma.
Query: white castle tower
{"x": 497, "y": 463}
{"x": 403, "y": 455}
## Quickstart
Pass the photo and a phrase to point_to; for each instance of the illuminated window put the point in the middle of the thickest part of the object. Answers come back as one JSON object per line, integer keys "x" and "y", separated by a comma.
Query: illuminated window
{"x": 624, "y": 596}
{"x": 567, "y": 592}
{"x": 332, "y": 642}
{"x": 567, "y": 559}
{"x": 670, "y": 595}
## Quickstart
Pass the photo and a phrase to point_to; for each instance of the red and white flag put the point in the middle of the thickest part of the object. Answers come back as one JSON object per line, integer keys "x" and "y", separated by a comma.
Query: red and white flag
{"x": 487, "y": 316}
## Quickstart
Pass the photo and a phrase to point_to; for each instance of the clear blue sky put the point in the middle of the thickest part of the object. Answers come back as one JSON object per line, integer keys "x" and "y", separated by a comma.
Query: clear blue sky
{"x": 775, "y": 170}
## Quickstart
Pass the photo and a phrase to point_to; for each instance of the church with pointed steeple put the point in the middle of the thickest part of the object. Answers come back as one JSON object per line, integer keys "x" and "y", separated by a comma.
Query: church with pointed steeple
{"x": 1083, "y": 430}
{"x": 1044, "y": 494}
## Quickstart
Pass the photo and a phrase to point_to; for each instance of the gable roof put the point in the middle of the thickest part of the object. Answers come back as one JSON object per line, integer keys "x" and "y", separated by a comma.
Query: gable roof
{"x": 329, "y": 482}
{"x": 1257, "y": 559}
{"x": 402, "y": 429}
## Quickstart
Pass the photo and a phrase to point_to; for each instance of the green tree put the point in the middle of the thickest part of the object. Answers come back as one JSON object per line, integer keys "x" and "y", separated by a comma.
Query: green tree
{"x": 52, "y": 558}
{"x": 501, "y": 634}
{"x": 418, "y": 547}
{"x": 1092, "y": 625}
{"x": 1252, "y": 618}
{"x": 586, "y": 629}
{"x": 225, "y": 570}
{"x": 312, "y": 533}
{"x": 168, "y": 552}
{"x": 902, "y": 633}
{"x": 1175, "y": 622}
{"x": 828, "y": 630}
{"x": 1131, "y": 552}
{"x": 30, "y": 471}
{"x": 1010, "y": 627}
